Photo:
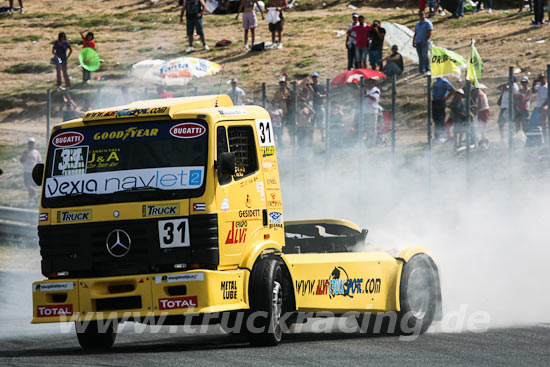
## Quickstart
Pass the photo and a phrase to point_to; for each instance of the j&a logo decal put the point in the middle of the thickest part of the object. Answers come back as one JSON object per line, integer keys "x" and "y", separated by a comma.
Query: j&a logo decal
{"x": 118, "y": 243}
{"x": 187, "y": 130}
{"x": 68, "y": 139}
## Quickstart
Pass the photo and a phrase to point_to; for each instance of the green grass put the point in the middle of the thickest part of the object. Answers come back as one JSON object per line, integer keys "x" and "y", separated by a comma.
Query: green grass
{"x": 29, "y": 68}
{"x": 27, "y": 38}
{"x": 145, "y": 49}
{"x": 304, "y": 63}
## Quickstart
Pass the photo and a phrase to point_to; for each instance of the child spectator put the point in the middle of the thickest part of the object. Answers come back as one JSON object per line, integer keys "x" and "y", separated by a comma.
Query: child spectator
{"x": 87, "y": 41}
{"x": 361, "y": 42}
{"x": 394, "y": 63}
{"x": 350, "y": 42}
{"x": 376, "y": 35}
{"x": 59, "y": 50}
{"x": 29, "y": 158}
{"x": 249, "y": 20}
{"x": 193, "y": 19}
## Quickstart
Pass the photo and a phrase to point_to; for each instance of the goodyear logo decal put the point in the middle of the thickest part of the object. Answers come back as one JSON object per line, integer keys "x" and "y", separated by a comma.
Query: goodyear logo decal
{"x": 79, "y": 215}
{"x": 131, "y": 132}
{"x": 156, "y": 210}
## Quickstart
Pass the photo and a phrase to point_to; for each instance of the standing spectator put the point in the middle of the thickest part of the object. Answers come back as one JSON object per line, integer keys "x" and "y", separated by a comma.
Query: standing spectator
{"x": 432, "y": 5}
{"x": 21, "y": 10}
{"x": 539, "y": 115}
{"x": 361, "y": 42}
{"x": 489, "y": 6}
{"x": 421, "y": 40}
{"x": 29, "y": 158}
{"x": 277, "y": 9}
{"x": 502, "y": 102}
{"x": 193, "y": 18}
{"x": 522, "y": 5}
{"x": 521, "y": 104}
{"x": 458, "y": 107}
{"x": 394, "y": 62}
{"x": 276, "y": 114}
{"x": 59, "y": 51}
{"x": 238, "y": 96}
{"x": 304, "y": 128}
{"x": 249, "y": 20}
{"x": 539, "y": 13}
{"x": 350, "y": 42}
{"x": 283, "y": 96}
{"x": 161, "y": 90}
{"x": 442, "y": 89}
{"x": 421, "y": 5}
{"x": 376, "y": 34}
{"x": 87, "y": 41}
{"x": 483, "y": 112}
{"x": 459, "y": 12}
{"x": 71, "y": 110}
{"x": 370, "y": 111}
{"x": 319, "y": 94}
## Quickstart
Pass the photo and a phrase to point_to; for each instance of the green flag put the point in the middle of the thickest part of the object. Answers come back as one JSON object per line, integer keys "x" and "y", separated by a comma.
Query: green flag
{"x": 446, "y": 62}
{"x": 475, "y": 66}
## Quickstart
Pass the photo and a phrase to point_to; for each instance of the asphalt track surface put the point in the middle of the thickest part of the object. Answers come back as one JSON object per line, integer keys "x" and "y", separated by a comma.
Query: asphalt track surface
{"x": 45, "y": 345}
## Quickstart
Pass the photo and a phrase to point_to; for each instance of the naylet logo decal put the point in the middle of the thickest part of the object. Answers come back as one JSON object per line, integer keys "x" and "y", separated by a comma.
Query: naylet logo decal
{"x": 68, "y": 139}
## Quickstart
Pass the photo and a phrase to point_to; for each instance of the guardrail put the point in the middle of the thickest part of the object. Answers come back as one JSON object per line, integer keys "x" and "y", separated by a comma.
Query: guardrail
{"x": 18, "y": 224}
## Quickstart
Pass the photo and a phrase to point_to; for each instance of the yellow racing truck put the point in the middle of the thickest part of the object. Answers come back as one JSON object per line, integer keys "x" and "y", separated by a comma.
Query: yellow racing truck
{"x": 172, "y": 209}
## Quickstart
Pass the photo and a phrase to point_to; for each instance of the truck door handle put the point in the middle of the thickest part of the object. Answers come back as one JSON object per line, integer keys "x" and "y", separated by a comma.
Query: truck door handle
{"x": 264, "y": 216}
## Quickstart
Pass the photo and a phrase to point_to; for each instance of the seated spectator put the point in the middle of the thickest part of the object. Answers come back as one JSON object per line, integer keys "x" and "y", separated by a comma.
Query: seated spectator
{"x": 238, "y": 96}
{"x": 394, "y": 63}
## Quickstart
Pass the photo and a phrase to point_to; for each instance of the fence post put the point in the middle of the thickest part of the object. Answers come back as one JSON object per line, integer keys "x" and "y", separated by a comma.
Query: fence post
{"x": 48, "y": 114}
{"x": 146, "y": 93}
{"x": 294, "y": 123}
{"x": 468, "y": 130}
{"x": 264, "y": 95}
{"x": 99, "y": 104}
{"x": 429, "y": 133}
{"x": 510, "y": 112}
{"x": 327, "y": 117}
{"x": 393, "y": 94}
{"x": 196, "y": 91}
{"x": 361, "y": 143}
{"x": 548, "y": 104}
{"x": 233, "y": 93}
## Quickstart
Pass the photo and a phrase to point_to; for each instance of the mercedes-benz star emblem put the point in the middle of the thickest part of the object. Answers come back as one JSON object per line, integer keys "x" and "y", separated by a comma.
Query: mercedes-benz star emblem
{"x": 118, "y": 243}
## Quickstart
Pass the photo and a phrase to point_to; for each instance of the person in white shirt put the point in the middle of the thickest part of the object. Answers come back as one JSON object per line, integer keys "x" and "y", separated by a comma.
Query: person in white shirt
{"x": 350, "y": 42}
{"x": 503, "y": 104}
{"x": 237, "y": 94}
{"x": 29, "y": 158}
{"x": 539, "y": 115}
{"x": 370, "y": 111}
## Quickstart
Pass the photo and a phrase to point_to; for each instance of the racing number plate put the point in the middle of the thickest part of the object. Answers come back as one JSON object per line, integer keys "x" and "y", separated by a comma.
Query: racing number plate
{"x": 174, "y": 233}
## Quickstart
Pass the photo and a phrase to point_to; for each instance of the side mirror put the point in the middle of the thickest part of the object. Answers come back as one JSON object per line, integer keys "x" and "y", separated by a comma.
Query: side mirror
{"x": 38, "y": 173}
{"x": 227, "y": 166}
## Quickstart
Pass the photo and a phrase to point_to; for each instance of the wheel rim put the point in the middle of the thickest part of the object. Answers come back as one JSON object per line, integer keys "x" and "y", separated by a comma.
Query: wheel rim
{"x": 277, "y": 308}
{"x": 418, "y": 293}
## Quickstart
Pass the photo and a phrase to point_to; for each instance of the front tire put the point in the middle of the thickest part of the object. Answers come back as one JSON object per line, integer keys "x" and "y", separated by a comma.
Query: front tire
{"x": 93, "y": 338}
{"x": 417, "y": 295}
{"x": 268, "y": 298}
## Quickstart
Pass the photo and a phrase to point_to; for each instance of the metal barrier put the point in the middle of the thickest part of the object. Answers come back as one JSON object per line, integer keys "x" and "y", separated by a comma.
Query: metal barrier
{"x": 18, "y": 224}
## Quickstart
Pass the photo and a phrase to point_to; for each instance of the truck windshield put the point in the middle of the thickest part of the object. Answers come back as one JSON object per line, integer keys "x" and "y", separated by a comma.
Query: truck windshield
{"x": 126, "y": 162}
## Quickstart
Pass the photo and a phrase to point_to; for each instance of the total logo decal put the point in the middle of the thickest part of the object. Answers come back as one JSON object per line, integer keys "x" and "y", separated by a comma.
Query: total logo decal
{"x": 166, "y": 178}
{"x": 55, "y": 310}
{"x": 177, "y": 303}
{"x": 187, "y": 130}
{"x": 237, "y": 234}
{"x": 68, "y": 139}
{"x": 156, "y": 210}
{"x": 338, "y": 284}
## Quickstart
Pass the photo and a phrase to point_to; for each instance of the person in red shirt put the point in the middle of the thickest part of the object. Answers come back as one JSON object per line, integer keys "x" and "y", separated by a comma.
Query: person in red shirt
{"x": 361, "y": 41}
{"x": 87, "y": 41}
{"x": 163, "y": 93}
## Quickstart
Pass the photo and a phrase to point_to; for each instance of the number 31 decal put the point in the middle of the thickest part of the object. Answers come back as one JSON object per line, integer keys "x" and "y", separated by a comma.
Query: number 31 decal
{"x": 174, "y": 233}
{"x": 265, "y": 132}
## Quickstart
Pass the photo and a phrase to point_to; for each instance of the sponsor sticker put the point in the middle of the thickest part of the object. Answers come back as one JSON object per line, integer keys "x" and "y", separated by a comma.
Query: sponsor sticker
{"x": 43, "y": 217}
{"x": 232, "y": 112}
{"x": 177, "y": 303}
{"x": 225, "y": 205}
{"x": 128, "y": 133}
{"x": 339, "y": 283}
{"x": 275, "y": 217}
{"x": 166, "y": 178}
{"x": 70, "y": 161}
{"x": 176, "y": 278}
{"x": 260, "y": 189}
{"x": 55, "y": 310}
{"x": 187, "y": 130}
{"x": 68, "y": 139}
{"x": 155, "y": 210}
{"x": 229, "y": 289}
{"x": 78, "y": 215}
{"x": 199, "y": 207}
{"x": 237, "y": 233}
{"x": 49, "y": 287}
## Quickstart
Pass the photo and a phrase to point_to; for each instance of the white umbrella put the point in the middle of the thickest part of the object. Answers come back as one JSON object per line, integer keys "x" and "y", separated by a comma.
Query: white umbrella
{"x": 174, "y": 72}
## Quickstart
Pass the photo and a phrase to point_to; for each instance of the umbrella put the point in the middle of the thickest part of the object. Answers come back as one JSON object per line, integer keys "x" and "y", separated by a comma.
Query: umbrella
{"x": 353, "y": 76}
{"x": 89, "y": 59}
{"x": 174, "y": 72}
{"x": 400, "y": 35}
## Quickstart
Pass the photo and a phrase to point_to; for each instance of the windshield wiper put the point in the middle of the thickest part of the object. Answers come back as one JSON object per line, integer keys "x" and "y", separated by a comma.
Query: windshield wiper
{"x": 141, "y": 188}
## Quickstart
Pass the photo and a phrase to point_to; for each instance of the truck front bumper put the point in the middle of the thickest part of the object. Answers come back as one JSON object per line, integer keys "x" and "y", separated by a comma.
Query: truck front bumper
{"x": 139, "y": 296}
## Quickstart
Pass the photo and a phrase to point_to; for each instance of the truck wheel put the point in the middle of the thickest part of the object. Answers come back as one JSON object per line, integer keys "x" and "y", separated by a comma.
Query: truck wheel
{"x": 268, "y": 298}
{"x": 417, "y": 295}
{"x": 93, "y": 338}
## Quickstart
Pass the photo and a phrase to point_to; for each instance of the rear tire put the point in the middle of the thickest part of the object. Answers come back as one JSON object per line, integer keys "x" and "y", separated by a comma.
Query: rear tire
{"x": 92, "y": 338}
{"x": 417, "y": 295}
{"x": 268, "y": 300}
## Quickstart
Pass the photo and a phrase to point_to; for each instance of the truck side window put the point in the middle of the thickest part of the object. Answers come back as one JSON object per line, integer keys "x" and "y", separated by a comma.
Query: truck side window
{"x": 241, "y": 142}
{"x": 221, "y": 147}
